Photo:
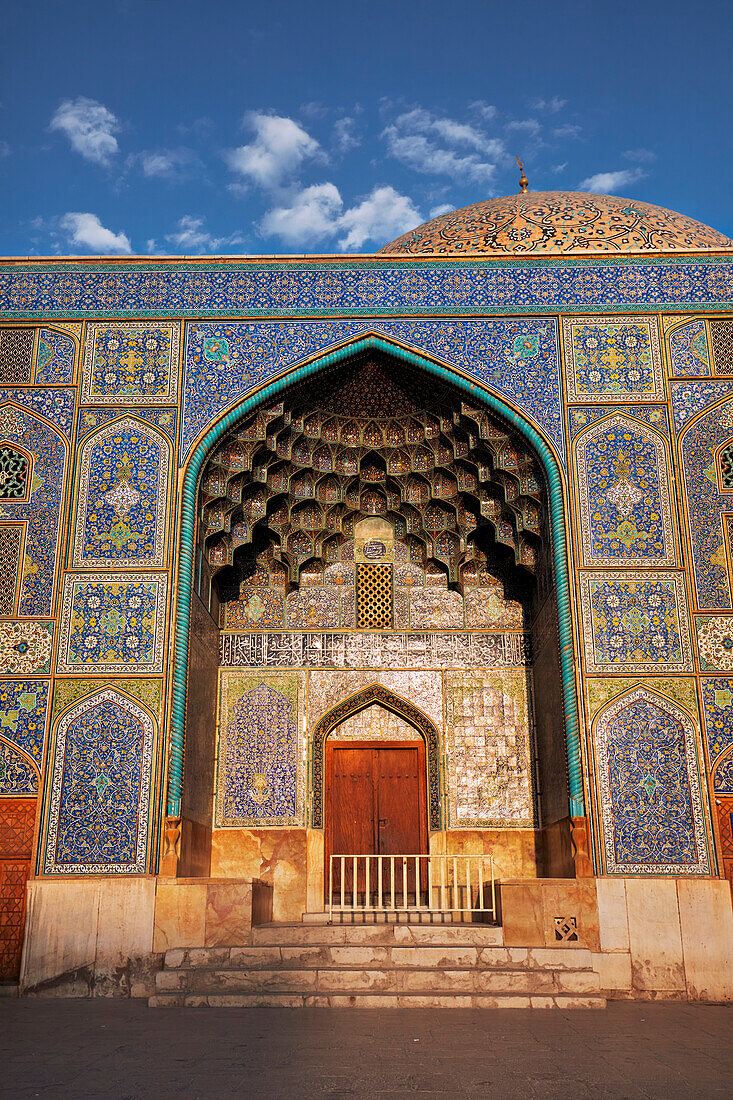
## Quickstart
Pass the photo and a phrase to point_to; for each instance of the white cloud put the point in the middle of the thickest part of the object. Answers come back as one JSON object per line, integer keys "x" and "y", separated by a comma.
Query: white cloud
{"x": 640, "y": 156}
{"x": 486, "y": 111}
{"x": 191, "y": 238}
{"x": 166, "y": 163}
{"x": 552, "y": 105}
{"x": 381, "y": 217}
{"x": 569, "y": 130}
{"x": 605, "y": 183}
{"x": 317, "y": 214}
{"x": 445, "y": 208}
{"x": 443, "y": 146}
{"x": 528, "y": 126}
{"x": 344, "y": 135}
{"x": 87, "y": 230}
{"x": 279, "y": 148}
{"x": 4, "y": 149}
{"x": 558, "y": 168}
{"x": 89, "y": 126}
{"x": 312, "y": 216}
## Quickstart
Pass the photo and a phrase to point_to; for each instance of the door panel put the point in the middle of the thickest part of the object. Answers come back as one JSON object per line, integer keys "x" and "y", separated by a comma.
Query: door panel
{"x": 398, "y": 801}
{"x": 375, "y": 803}
{"x": 352, "y": 801}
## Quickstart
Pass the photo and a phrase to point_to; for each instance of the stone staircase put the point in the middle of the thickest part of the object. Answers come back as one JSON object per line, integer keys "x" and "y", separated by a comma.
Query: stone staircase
{"x": 378, "y": 966}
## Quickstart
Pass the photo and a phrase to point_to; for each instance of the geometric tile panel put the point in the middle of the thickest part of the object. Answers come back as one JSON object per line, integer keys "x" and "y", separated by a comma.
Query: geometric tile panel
{"x": 488, "y": 750}
{"x": 123, "y": 497}
{"x": 625, "y": 507}
{"x": 11, "y": 545}
{"x": 721, "y": 337}
{"x": 16, "y": 355}
{"x": 25, "y": 648}
{"x": 652, "y": 806}
{"x": 112, "y": 623}
{"x": 100, "y": 796}
{"x": 635, "y": 622}
{"x": 260, "y": 759}
{"x": 608, "y": 358}
{"x": 137, "y": 363}
{"x": 688, "y": 351}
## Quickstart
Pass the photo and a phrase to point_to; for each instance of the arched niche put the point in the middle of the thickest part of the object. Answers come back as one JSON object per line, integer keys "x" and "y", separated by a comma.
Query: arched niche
{"x": 225, "y": 533}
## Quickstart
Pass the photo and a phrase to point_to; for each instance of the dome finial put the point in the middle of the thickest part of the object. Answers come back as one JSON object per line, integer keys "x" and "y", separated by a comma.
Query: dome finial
{"x": 523, "y": 181}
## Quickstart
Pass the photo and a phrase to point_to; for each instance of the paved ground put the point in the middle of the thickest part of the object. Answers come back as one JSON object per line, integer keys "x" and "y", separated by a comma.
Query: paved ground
{"x": 122, "y": 1049}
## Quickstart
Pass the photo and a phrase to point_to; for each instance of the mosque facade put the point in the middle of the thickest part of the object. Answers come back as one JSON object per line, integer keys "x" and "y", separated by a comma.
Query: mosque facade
{"x": 451, "y": 523}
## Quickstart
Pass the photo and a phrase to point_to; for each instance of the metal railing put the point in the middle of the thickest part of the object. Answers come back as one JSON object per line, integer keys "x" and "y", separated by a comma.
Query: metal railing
{"x": 458, "y": 885}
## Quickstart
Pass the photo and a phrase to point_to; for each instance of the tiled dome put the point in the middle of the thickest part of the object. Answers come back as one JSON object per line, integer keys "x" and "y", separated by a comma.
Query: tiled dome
{"x": 554, "y": 222}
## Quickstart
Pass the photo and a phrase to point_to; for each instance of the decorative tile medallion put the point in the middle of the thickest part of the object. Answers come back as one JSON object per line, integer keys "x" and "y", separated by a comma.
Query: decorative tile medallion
{"x": 112, "y": 623}
{"x": 623, "y": 490}
{"x": 652, "y": 807}
{"x": 137, "y": 362}
{"x": 123, "y": 497}
{"x": 25, "y": 648}
{"x": 99, "y": 813}
{"x": 260, "y": 758}
{"x": 689, "y": 354}
{"x": 607, "y": 358}
{"x": 714, "y": 636}
{"x": 257, "y": 608}
{"x": 635, "y": 622}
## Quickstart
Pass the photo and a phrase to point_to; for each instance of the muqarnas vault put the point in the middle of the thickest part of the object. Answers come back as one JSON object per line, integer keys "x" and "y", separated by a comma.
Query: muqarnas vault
{"x": 473, "y": 493}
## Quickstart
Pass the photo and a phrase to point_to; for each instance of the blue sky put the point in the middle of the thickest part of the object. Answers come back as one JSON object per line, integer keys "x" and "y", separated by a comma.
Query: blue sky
{"x": 186, "y": 127}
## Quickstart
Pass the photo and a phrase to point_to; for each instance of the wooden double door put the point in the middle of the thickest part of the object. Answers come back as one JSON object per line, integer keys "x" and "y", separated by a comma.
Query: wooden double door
{"x": 375, "y": 804}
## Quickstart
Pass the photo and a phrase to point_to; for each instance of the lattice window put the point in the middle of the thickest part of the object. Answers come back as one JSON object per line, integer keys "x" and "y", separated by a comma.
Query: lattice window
{"x": 13, "y": 474}
{"x": 566, "y": 929}
{"x": 721, "y": 337}
{"x": 374, "y": 597}
{"x": 725, "y": 463}
{"x": 16, "y": 355}
{"x": 11, "y": 544}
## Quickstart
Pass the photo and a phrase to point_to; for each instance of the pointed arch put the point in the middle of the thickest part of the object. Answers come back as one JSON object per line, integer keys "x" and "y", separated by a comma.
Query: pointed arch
{"x": 347, "y": 708}
{"x": 652, "y": 803}
{"x": 499, "y": 406}
{"x": 121, "y": 490}
{"x": 99, "y": 807}
{"x": 635, "y": 497}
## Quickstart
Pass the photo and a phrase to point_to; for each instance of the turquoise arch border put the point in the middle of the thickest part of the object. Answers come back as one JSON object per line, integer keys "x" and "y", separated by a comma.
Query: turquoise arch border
{"x": 557, "y": 527}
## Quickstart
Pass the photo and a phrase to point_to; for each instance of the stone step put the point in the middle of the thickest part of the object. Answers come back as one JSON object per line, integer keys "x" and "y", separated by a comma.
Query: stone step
{"x": 388, "y": 956}
{"x": 372, "y": 1000}
{"x": 381, "y": 934}
{"x": 348, "y": 980}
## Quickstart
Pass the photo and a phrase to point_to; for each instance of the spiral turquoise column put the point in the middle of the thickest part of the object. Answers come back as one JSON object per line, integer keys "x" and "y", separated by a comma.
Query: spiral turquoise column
{"x": 557, "y": 528}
